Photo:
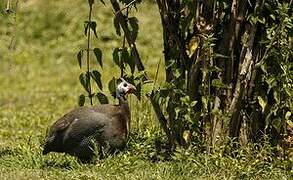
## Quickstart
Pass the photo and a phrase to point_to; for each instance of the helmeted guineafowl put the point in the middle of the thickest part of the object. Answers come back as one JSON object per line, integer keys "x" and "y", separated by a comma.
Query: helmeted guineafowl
{"x": 79, "y": 131}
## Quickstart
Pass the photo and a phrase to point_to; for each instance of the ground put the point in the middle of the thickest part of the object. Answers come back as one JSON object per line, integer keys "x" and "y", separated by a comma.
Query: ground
{"x": 39, "y": 83}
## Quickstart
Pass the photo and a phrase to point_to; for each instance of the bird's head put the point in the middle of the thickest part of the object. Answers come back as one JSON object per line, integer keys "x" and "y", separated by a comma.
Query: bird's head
{"x": 124, "y": 88}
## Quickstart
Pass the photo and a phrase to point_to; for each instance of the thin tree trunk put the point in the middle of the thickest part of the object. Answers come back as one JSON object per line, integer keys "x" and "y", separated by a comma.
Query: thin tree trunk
{"x": 246, "y": 62}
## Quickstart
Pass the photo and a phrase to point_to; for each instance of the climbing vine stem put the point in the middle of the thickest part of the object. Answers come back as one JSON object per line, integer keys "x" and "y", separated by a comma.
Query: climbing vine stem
{"x": 90, "y": 74}
{"x": 88, "y": 52}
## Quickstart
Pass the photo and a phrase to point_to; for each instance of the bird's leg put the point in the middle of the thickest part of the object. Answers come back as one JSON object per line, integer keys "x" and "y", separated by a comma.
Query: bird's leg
{"x": 101, "y": 153}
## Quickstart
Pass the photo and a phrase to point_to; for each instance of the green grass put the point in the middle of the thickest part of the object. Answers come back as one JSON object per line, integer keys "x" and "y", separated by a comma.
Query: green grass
{"x": 39, "y": 83}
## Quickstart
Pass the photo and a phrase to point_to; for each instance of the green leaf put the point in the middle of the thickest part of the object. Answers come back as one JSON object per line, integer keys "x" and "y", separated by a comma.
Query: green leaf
{"x": 193, "y": 45}
{"x": 277, "y": 96}
{"x": 288, "y": 115}
{"x": 193, "y": 103}
{"x": 79, "y": 57}
{"x": 140, "y": 76}
{"x": 177, "y": 73}
{"x": 218, "y": 83}
{"x": 262, "y": 102}
{"x": 133, "y": 21}
{"x": 134, "y": 26}
{"x": 98, "y": 54}
{"x": 261, "y": 20}
{"x": 137, "y": 93}
{"x": 155, "y": 95}
{"x": 131, "y": 62}
{"x": 86, "y": 26}
{"x": 204, "y": 103}
{"x": 112, "y": 87}
{"x": 164, "y": 92}
{"x": 117, "y": 26}
{"x": 277, "y": 124}
{"x": 84, "y": 81}
{"x": 124, "y": 55}
{"x": 217, "y": 55}
{"x": 289, "y": 123}
{"x": 97, "y": 78}
{"x": 93, "y": 26}
{"x": 214, "y": 69}
{"x": 116, "y": 57}
{"x": 102, "y": 98}
{"x": 170, "y": 63}
{"x": 81, "y": 100}
{"x": 88, "y": 76}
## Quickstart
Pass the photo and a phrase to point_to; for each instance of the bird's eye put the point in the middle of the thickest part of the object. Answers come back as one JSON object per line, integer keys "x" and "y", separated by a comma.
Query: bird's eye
{"x": 125, "y": 84}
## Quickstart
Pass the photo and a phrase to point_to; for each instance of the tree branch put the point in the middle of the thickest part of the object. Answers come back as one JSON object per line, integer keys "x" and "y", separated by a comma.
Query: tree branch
{"x": 131, "y": 42}
{"x": 125, "y": 7}
{"x": 161, "y": 117}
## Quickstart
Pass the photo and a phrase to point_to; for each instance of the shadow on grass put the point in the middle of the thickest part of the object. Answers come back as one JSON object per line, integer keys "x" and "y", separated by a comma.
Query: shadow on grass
{"x": 7, "y": 151}
{"x": 68, "y": 165}
{"x": 149, "y": 149}
{"x": 59, "y": 161}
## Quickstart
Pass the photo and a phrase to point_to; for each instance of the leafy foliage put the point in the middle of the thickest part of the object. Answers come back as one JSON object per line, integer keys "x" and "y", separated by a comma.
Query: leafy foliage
{"x": 227, "y": 63}
{"x": 85, "y": 78}
{"x": 276, "y": 70}
{"x": 122, "y": 56}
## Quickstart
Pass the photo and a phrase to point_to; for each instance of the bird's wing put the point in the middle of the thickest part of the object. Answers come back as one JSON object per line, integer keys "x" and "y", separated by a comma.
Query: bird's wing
{"x": 63, "y": 123}
{"x": 90, "y": 125}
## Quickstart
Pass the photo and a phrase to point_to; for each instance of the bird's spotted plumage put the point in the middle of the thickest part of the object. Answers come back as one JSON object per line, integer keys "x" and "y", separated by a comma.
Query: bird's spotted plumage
{"x": 79, "y": 131}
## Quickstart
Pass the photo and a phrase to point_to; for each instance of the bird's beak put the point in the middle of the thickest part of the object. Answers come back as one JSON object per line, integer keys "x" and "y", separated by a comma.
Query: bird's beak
{"x": 131, "y": 89}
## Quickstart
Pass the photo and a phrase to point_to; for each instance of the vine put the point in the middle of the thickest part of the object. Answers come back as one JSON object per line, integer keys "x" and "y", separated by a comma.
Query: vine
{"x": 122, "y": 56}
{"x": 85, "y": 77}
{"x": 125, "y": 56}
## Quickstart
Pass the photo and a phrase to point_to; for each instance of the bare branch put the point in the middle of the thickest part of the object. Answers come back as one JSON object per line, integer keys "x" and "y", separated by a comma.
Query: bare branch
{"x": 8, "y": 6}
{"x": 162, "y": 119}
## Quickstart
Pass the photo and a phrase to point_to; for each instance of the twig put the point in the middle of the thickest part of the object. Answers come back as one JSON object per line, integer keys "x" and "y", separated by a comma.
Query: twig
{"x": 162, "y": 119}
{"x": 157, "y": 72}
{"x": 8, "y": 8}
{"x": 131, "y": 42}
{"x": 126, "y": 7}
{"x": 123, "y": 45}
{"x": 88, "y": 55}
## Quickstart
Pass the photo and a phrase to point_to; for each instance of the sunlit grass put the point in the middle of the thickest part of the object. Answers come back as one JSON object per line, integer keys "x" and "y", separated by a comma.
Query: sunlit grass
{"x": 39, "y": 83}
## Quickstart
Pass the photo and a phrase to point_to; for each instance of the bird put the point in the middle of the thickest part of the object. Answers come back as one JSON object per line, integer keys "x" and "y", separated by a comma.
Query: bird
{"x": 80, "y": 131}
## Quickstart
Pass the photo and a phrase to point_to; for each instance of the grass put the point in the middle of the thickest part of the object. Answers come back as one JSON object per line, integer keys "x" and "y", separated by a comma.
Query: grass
{"x": 39, "y": 83}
